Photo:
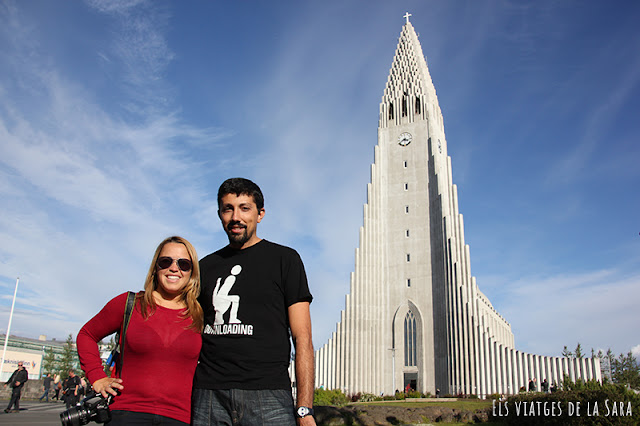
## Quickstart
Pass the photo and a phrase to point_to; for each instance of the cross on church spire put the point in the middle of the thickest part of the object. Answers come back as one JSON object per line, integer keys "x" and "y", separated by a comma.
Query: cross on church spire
{"x": 406, "y": 16}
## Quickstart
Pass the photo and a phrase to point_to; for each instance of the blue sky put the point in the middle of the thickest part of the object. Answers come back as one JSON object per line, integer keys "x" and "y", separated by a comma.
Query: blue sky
{"x": 119, "y": 120}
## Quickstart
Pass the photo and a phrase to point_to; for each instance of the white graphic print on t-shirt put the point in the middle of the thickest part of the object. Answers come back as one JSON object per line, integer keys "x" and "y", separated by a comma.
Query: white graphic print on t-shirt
{"x": 223, "y": 301}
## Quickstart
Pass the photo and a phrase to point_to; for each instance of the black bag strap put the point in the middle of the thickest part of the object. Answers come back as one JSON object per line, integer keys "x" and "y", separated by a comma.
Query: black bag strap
{"x": 131, "y": 298}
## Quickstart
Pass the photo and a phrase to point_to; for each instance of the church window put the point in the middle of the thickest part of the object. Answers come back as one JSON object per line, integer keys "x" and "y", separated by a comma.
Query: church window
{"x": 404, "y": 106}
{"x": 405, "y": 164}
{"x": 408, "y": 257}
{"x": 407, "y": 233}
{"x": 417, "y": 104}
{"x": 390, "y": 110}
{"x": 406, "y": 209}
{"x": 408, "y": 282}
{"x": 410, "y": 346}
{"x": 406, "y": 186}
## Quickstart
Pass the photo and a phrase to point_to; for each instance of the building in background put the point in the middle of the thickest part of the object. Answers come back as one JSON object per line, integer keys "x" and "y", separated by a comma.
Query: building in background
{"x": 415, "y": 316}
{"x": 33, "y": 352}
{"x": 29, "y": 351}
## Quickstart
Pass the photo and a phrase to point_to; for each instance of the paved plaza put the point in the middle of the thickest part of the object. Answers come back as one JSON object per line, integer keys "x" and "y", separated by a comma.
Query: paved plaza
{"x": 32, "y": 413}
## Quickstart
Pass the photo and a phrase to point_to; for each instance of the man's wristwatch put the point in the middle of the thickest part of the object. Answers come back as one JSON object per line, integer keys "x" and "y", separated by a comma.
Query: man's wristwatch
{"x": 302, "y": 412}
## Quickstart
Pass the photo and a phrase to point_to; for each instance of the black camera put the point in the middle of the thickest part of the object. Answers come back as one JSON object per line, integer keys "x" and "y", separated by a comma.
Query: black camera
{"x": 94, "y": 408}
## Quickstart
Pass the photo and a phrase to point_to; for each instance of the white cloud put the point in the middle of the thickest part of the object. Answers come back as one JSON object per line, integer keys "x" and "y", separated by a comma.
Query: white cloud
{"x": 90, "y": 194}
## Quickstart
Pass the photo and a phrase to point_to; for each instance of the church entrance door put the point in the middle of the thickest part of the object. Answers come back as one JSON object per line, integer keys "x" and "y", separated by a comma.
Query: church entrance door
{"x": 411, "y": 380}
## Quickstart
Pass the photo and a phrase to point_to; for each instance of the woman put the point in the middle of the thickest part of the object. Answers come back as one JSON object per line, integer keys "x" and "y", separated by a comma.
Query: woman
{"x": 162, "y": 344}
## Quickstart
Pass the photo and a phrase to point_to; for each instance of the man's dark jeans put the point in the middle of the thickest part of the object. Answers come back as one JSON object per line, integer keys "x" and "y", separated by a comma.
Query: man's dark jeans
{"x": 15, "y": 399}
{"x": 238, "y": 407}
{"x": 45, "y": 395}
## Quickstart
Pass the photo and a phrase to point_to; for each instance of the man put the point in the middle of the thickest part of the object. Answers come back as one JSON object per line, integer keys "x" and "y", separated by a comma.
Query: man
{"x": 254, "y": 293}
{"x": 70, "y": 389}
{"x": 46, "y": 386}
{"x": 545, "y": 386}
{"x": 16, "y": 381}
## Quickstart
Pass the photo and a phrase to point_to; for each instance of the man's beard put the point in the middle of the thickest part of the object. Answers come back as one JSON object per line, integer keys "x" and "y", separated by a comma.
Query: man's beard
{"x": 237, "y": 239}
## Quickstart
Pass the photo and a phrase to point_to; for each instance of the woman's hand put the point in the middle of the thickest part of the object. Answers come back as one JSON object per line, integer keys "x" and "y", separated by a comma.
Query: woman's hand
{"x": 108, "y": 385}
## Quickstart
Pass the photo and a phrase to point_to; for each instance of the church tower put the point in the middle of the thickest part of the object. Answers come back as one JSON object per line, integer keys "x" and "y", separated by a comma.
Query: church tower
{"x": 414, "y": 315}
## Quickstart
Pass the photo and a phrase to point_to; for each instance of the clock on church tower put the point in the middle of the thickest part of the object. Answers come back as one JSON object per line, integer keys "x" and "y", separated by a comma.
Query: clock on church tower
{"x": 405, "y": 138}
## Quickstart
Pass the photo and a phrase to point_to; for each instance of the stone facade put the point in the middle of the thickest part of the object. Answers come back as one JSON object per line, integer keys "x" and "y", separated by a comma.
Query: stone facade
{"x": 414, "y": 315}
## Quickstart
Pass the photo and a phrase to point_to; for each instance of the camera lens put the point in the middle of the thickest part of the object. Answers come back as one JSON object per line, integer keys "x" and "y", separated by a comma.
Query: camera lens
{"x": 93, "y": 408}
{"x": 72, "y": 417}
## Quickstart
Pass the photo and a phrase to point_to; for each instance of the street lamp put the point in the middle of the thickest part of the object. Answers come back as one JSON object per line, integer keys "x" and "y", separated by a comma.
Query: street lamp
{"x": 6, "y": 338}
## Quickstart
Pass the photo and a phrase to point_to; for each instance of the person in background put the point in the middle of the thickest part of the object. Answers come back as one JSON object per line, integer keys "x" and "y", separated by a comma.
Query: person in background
{"x": 545, "y": 386}
{"x": 46, "y": 387}
{"x": 70, "y": 389}
{"x": 254, "y": 293}
{"x": 82, "y": 388}
{"x": 162, "y": 342}
{"x": 57, "y": 384}
{"x": 17, "y": 381}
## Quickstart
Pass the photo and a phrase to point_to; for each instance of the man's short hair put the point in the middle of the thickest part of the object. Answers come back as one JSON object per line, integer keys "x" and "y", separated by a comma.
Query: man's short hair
{"x": 241, "y": 186}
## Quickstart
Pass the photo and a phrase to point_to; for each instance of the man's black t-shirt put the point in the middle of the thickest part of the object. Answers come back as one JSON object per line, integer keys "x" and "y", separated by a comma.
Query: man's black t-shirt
{"x": 245, "y": 295}
{"x": 47, "y": 382}
{"x": 70, "y": 383}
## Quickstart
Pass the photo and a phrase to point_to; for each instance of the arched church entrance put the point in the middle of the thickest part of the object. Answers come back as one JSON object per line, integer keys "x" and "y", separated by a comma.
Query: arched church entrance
{"x": 408, "y": 324}
{"x": 410, "y": 352}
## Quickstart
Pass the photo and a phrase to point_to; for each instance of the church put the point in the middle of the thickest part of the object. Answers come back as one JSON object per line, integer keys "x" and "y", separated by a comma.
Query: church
{"x": 414, "y": 316}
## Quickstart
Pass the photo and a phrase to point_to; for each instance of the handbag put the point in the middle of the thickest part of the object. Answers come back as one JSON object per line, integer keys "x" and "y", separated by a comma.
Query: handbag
{"x": 117, "y": 354}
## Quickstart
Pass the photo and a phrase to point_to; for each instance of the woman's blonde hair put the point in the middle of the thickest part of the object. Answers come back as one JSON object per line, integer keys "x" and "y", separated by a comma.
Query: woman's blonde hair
{"x": 190, "y": 292}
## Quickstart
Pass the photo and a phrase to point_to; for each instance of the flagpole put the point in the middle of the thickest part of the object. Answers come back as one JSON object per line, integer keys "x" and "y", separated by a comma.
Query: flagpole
{"x": 6, "y": 338}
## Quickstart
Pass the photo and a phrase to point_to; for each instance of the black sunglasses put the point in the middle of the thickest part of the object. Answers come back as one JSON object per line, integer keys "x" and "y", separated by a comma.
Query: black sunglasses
{"x": 165, "y": 261}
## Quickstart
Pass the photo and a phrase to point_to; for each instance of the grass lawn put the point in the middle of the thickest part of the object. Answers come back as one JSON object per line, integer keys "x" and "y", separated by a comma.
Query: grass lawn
{"x": 463, "y": 404}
